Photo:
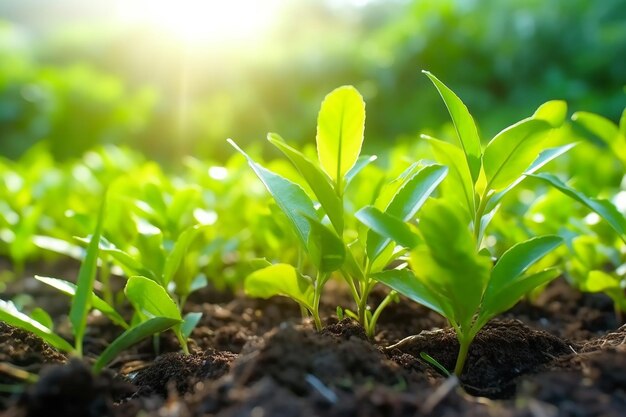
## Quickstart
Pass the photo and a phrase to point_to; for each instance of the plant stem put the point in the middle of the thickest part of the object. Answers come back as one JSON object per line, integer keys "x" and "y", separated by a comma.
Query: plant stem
{"x": 480, "y": 211}
{"x": 460, "y": 360}
{"x": 372, "y": 324}
{"x": 320, "y": 280}
{"x": 105, "y": 278}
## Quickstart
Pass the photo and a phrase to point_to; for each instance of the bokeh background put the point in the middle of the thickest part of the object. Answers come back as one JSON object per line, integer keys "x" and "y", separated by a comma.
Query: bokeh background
{"x": 175, "y": 78}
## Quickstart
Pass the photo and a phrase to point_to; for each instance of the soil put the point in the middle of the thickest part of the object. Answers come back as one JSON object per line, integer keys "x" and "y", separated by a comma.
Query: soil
{"x": 562, "y": 354}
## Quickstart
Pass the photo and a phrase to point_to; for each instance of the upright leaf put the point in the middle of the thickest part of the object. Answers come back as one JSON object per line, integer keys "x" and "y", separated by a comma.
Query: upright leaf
{"x": 603, "y": 208}
{"x": 175, "y": 258}
{"x": 519, "y": 258}
{"x": 459, "y": 183}
{"x": 384, "y": 228}
{"x": 317, "y": 180}
{"x": 512, "y": 151}
{"x": 340, "y": 128}
{"x": 81, "y": 302}
{"x": 605, "y": 130}
{"x": 326, "y": 248}
{"x": 150, "y": 299}
{"x": 464, "y": 125}
{"x": 289, "y": 196}
{"x": 553, "y": 112}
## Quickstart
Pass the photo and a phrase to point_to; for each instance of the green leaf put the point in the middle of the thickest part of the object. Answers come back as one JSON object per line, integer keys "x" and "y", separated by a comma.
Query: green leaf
{"x": 280, "y": 279}
{"x": 317, "y": 180}
{"x": 449, "y": 262}
{"x": 553, "y": 112}
{"x": 510, "y": 294}
{"x": 190, "y": 322}
{"x": 150, "y": 299}
{"x": 547, "y": 155}
{"x": 10, "y": 315}
{"x": 512, "y": 151}
{"x": 407, "y": 284}
{"x": 96, "y": 302}
{"x": 386, "y": 228}
{"x": 132, "y": 336}
{"x": 289, "y": 196}
{"x": 605, "y": 130}
{"x": 340, "y": 128}
{"x": 600, "y": 281}
{"x": 326, "y": 249}
{"x": 81, "y": 302}
{"x": 519, "y": 258}
{"x": 174, "y": 259}
{"x": 603, "y": 208}
{"x": 464, "y": 125}
{"x": 459, "y": 183}
{"x": 42, "y": 316}
{"x": 361, "y": 163}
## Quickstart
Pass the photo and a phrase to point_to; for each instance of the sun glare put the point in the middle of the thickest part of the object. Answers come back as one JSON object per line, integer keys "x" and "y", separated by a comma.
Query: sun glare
{"x": 202, "y": 21}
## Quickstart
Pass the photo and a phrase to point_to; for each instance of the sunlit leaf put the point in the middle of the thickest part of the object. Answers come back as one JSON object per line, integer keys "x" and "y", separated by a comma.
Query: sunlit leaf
{"x": 280, "y": 279}
{"x": 340, "y": 128}
{"x": 464, "y": 124}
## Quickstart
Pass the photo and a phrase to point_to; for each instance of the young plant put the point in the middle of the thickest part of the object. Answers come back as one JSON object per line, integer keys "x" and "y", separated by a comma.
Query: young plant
{"x": 83, "y": 300}
{"x": 452, "y": 274}
{"x": 321, "y": 227}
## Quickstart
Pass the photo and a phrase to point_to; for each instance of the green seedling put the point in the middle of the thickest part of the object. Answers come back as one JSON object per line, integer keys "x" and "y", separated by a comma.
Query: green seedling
{"x": 83, "y": 300}
{"x": 321, "y": 226}
{"x": 452, "y": 274}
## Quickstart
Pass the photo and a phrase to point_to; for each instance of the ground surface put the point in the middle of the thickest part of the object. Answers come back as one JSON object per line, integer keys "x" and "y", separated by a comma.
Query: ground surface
{"x": 562, "y": 355}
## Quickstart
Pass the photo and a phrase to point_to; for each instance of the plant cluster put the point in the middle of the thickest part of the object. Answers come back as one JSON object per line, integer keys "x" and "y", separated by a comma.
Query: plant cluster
{"x": 435, "y": 228}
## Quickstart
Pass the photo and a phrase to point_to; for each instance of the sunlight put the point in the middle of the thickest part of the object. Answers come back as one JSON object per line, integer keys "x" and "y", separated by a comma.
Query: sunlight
{"x": 203, "y": 21}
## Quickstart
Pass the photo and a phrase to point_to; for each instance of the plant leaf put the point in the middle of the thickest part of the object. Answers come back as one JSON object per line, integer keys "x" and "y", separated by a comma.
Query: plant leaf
{"x": 603, "y": 208}
{"x": 361, "y": 163}
{"x": 407, "y": 284}
{"x": 340, "y": 128}
{"x": 98, "y": 303}
{"x": 131, "y": 336}
{"x": 464, "y": 125}
{"x": 327, "y": 250}
{"x": 604, "y": 129}
{"x": 190, "y": 321}
{"x": 459, "y": 180}
{"x": 384, "y": 228}
{"x": 317, "y": 180}
{"x": 519, "y": 258}
{"x": 553, "y": 112}
{"x": 174, "y": 259}
{"x": 10, "y": 315}
{"x": 507, "y": 296}
{"x": 81, "y": 303}
{"x": 280, "y": 279}
{"x": 150, "y": 299}
{"x": 512, "y": 151}
{"x": 289, "y": 196}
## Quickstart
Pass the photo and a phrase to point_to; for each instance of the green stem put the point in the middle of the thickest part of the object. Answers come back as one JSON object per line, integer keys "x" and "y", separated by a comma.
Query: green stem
{"x": 463, "y": 349}
{"x": 372, "y": 324}
{"x": 480, "y": 211}
{"x": 78, "y": 347}
{"x": 317, "y": 295}
{"x": 105, "y": 278}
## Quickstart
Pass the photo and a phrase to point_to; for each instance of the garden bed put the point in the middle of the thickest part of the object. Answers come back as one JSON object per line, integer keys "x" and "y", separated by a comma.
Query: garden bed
{"x": 562, "y": 355}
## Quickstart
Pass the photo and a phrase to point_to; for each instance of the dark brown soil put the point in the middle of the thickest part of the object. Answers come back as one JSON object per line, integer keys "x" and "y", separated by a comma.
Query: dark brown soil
{"x": 560, "y": 355}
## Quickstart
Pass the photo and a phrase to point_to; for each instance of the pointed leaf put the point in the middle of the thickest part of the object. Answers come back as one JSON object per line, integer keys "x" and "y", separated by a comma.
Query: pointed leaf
{"x": 280, "y": 279}
{"x": 340, "y": 127}
{"x": 407, "y": 284}
{"x": 132, "y": 336}
{"x": 512, "y": 151}
{"x": 326, "y": 248}
{"x": 175, "y": 258}
{"x": 459, "y": 180}
{"x": 510, "y": 294}
{"x": 81, "y": 303}
{"x": 384, "y": 228}
{"x": 603, "y": 208}
{"x": 10, "y": 315}
{"x": 600, "y": 281}
{"x": 519, "y": 258}
{"x": 361, "y": 163}
{"x": 96, "y": 302}
{"x": 190, "y": 322}
{"x": 464, "y": 125}
{"x": 289, "y": 196}
{"x": 605, "y": 130}
{"x": 150, "y": 299}
{"x": 317, "y": 180}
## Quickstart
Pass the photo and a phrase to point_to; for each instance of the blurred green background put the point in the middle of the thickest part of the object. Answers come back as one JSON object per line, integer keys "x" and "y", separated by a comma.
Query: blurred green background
{"x": 175, "y": 78}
